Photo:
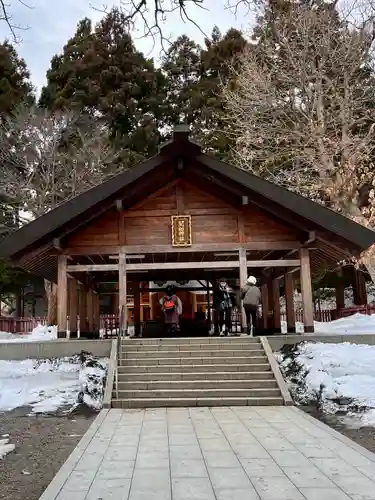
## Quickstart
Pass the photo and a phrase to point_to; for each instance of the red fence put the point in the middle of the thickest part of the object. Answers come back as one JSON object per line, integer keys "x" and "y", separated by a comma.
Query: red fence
{"x": 20, "y": 325}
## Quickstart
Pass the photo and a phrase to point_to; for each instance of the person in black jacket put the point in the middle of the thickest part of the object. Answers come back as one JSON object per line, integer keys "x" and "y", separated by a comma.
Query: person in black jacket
{"x": 223, "y": 307}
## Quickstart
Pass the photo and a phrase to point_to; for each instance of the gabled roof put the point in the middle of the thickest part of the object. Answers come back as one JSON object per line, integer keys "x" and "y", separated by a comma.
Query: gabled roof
{"x": 50, "y": 223}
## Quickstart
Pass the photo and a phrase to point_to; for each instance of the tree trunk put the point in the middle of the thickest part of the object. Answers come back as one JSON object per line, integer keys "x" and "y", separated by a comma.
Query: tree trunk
{"x": 51, "y": 293}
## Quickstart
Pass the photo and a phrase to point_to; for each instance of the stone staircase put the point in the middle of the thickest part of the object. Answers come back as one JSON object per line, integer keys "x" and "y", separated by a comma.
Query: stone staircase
{"x": 202, "y": 371}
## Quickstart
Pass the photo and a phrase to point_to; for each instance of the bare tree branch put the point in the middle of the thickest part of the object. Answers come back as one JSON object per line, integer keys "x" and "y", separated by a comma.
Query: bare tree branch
{"x": 7, "y": 17}
{"x": 302, "y": 111}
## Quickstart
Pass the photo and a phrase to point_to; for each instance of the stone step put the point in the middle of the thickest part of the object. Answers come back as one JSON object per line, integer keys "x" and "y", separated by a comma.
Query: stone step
{"x": 199, "y": 393}
{"x": 189, "y": 402}
{"x": 248, "y": 346}
{"x": 192, "y": 340}
{"x": 190, "y": 368}
{"x": 195, "y": 376}
{"x": 162, "y": 385}
{"x": 204, "y": 360}
{"x": 221, "y": 353}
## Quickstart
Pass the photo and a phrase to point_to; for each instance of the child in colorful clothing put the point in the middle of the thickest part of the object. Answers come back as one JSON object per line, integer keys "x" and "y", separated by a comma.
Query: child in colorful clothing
{"x": 172, "y": 308}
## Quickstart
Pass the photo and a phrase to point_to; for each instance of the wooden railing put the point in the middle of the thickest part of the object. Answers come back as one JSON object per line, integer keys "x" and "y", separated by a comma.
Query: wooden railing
{"x": 20, "y": 325}
{"x": 110, "y": 323}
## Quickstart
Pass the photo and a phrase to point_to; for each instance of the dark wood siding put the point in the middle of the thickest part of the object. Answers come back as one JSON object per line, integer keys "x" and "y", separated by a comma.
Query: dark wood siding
{"x": 213, "y": 221}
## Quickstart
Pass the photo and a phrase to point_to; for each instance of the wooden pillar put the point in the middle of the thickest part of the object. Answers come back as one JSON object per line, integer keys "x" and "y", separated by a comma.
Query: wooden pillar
{"x": 62, "y": 295}
{"x": 73, "y": 305}
{"x": 276, "y": 306}
{"x": 123, "y": 306}
{"x": 359, "y": 288}
{"x": 340, "y": 290}
{"x": 264, "y": 291}
{"x": 137, "y": 308}
{"x": 194, "y": 303}
{"x": 289, "y": 303}
{"x": 96, "y": 312}
{"x": 306, "y": 289}
{"x": 82, "y": 310}
{"x": 90, "y": 309}
{"x": 208, "y": 305}
{"x": 243, "y": 278}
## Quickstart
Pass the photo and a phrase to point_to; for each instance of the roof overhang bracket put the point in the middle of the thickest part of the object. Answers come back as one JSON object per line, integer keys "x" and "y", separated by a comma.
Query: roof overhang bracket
{"x": 119, "y": 205}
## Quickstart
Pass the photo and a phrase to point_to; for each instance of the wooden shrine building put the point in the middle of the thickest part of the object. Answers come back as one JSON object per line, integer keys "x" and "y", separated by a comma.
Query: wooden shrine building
{"x": 183, "y": 215}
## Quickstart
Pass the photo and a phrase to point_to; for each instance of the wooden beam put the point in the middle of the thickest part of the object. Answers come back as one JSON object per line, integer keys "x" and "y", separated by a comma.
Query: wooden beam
{"x": 197, "y": 247}
{"x": 306, "y": 289}
{"x": 225, "y": 264}
{"x": 62, "y": 294}
{"x": 180, "y": 211}
{"x": 73, "y": 306}
{"x": 78, "y": 268}
{"x": 122, "y": 281}
{"x": 289, "y": 302}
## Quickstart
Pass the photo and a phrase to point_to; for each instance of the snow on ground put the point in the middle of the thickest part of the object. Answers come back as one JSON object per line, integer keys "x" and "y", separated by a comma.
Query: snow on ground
{"x": 45, "y": 385}
{"x": 40, "y": 332}
{"x": 340, "y": 378}
{"x": 357, "y": 324}
{"x": 5, "y": 447}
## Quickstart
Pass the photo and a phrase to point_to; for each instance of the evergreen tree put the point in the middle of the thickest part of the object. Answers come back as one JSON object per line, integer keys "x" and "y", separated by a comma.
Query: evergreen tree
{"x": 194, "y": 76}
{"x": 15, "y": 86}
{"x": 101, "y": 73}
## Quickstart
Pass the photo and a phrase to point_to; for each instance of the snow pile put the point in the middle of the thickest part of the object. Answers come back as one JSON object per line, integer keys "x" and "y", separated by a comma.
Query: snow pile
{"x": 339, "y": 378}
{"x": 356, "y": 324}
{"x": 39, "y": 333}
{"x": 5, "y": 447}
{"x": 92, "y": 378}
{"x": 46, "y": 385}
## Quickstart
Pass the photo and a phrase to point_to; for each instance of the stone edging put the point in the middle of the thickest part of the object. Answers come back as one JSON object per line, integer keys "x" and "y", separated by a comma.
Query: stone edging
{"x": 107, "y": 399}
{"x": 60, "y": 478}
{"x": 336, "y": 434}
{"x": 288, "y": 401}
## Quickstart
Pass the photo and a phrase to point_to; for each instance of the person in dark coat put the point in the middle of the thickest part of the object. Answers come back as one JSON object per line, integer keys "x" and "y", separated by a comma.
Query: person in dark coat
{"x": 223, "y": 307}
{"x": 252, "y": 297}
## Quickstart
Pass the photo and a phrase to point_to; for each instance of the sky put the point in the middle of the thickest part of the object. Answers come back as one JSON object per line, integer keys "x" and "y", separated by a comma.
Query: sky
{"x": 49, "y": 24}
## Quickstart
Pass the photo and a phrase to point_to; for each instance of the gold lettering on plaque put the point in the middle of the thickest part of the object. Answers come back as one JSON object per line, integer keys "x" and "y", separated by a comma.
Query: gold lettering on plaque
{"x": 181, "y": 230}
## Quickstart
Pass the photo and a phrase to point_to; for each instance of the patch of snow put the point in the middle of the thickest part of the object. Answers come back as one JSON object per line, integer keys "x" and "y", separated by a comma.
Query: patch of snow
{"x": 5, "y": 447}
{"x": 39, "y": 333}
{"x": 357, "y": 324}
{"x": 339, "y": 377}
{"x": 45, "y": 385}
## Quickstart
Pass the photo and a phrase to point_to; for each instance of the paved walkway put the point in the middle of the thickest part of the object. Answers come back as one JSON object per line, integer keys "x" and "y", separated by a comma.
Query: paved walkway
{"x": 252, "y": 453}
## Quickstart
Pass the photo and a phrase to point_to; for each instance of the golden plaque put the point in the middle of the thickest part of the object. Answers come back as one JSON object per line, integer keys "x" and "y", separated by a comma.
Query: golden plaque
{"x": 181, "y": 231}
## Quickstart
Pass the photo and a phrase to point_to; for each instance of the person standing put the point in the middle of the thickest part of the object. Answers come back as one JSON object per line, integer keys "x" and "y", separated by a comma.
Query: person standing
{"x": 223, "y": 307}
{"x": 172, "y": 308}
{"x": 252, "y": 297}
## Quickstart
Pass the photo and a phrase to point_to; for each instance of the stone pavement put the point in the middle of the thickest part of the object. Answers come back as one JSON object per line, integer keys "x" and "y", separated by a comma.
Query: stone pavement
{"x": 223, "y": 453}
